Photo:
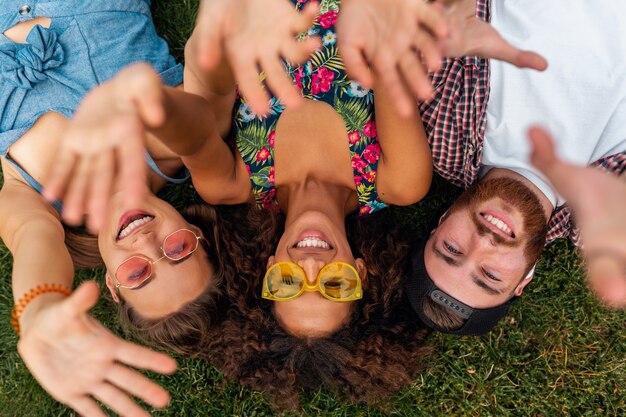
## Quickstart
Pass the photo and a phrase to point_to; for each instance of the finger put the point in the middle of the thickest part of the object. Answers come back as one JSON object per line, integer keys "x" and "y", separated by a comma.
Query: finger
{"x": 74, "y": 202}
{"x": 143, "y": 358}
{"x": 247, "y": 76}
{"x": 133, "y": 171}
{"x": 138, "y": 385}
{"x": 55, "y": 186}
{"x": 522, "y": 59}
{"x": 100, "y": 191}
{"x": 544, "y": 157}
{"x": 356, "y": 65}
{"x": 429, "y": 48}
{"x": 529, "y": 59}
{"x": 298, "y": 52}
{"x": 433, "y": 18}
{"x": 117, "y": 401}
{"x": 279, "y": 82}
{"x": 149, "y": 96}
{"x": 306, "y": 17}
{"x": 208, "y": 34}
{"x": 388, "y": 72}
{"x": 86, "y": 407}
{"x": 415, "y": 77}
{"x": 607, "y": 280}
{"x": 82, "y": 299}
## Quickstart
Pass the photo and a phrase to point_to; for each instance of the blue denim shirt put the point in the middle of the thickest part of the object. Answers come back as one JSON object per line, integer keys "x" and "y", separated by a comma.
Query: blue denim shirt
{"x": 87, "y": 43}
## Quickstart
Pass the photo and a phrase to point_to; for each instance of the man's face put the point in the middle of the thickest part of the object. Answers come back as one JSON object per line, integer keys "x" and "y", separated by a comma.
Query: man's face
{"x": 487, "y": 242}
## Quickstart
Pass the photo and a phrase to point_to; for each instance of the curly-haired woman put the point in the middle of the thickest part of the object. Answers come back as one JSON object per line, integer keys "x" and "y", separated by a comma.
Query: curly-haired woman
{"x": 375, "y": 353}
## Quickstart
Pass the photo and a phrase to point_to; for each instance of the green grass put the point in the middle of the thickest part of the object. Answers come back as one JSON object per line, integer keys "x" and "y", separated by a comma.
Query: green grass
{"x": 558, "y": 353}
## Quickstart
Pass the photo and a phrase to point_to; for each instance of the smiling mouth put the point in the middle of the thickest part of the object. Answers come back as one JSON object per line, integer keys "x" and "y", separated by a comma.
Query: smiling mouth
{"x": 498, "y": 225}
{"x": 129, "y": 223}
{"x": 313, "y": 243}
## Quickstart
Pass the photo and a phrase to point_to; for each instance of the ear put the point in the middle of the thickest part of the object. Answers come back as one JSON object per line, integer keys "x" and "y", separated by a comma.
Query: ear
{"x": 362, "y": 270}
{"x": 443, "y": 217}
{"x": 197, "y": 230}
{"x": 270, "y": 262}
{"x": 112, "y": 288}
{"x": 524, "y": 283}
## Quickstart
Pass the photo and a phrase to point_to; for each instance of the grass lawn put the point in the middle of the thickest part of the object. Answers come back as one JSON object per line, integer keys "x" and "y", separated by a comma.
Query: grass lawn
{"x": 558, "y": 353}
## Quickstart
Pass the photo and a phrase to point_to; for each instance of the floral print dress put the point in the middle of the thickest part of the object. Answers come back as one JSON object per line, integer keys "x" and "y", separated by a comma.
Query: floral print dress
{"x": 322, "y": 78}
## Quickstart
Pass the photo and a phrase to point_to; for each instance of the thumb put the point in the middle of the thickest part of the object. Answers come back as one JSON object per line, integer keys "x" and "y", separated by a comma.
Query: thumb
{"x": 529, "y": 59}
{"x": 82, "y": 299}
{"x": 543, "y": 156}
{"x": 209, "y": 38}
{"x": 307, "y": 17}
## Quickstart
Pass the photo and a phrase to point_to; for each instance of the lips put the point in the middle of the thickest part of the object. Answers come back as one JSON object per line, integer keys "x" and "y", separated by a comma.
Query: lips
{"x": 131, "y": 221}
{"x": 498, "y": 223}
{"x": 312, "y": 240}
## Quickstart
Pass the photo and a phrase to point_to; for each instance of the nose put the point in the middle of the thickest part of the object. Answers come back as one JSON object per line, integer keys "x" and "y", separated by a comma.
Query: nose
{"x": 311, "y": 266}
{"x": 144, "y": 240}
{"x": 485, "y": 242}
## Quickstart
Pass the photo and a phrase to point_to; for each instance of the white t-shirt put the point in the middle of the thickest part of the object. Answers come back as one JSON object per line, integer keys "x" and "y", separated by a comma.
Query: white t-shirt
{"x": 580, "y": 98}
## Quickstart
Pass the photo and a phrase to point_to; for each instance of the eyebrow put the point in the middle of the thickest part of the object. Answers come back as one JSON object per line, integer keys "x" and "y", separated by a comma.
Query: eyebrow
{"x": 482, "y": 284}
{"x": 447, "y": 259}
{"x": 453, "y": 262}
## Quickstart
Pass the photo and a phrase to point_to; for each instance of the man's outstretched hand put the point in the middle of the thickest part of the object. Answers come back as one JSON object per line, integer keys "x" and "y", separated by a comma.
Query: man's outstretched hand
{"x": 598, "y": 200}
{"x": 77, "y": 360}
{"x": 470, "y": 36}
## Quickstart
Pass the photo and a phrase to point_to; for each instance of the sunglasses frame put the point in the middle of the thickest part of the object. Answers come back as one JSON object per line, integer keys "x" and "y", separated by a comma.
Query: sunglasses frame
{"x": 150, "y": 262}
{"x": 356, "y": 295}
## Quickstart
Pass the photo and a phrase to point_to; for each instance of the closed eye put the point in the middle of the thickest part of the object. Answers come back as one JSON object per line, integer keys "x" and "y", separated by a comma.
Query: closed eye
{"x": 491, "y": 276}
{"x": 451, "y": 249}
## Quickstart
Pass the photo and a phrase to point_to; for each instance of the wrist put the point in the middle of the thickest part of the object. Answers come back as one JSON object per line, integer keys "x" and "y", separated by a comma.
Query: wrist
{"x": 33, "y": 302}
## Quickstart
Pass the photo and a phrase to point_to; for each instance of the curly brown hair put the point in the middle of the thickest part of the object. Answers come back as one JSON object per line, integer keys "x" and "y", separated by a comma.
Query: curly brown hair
{"x": 233, "y": 241}
{"x": 373, "y": 356}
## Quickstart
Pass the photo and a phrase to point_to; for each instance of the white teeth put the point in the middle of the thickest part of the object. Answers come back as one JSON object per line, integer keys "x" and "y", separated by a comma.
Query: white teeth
{"x": 312, "y": 242}
{"x": 498, "y": 223}
{"x": 133, "y": 225}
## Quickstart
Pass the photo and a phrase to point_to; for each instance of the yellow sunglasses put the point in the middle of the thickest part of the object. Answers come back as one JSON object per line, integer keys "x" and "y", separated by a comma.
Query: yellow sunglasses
{"x": 337, "y": 281}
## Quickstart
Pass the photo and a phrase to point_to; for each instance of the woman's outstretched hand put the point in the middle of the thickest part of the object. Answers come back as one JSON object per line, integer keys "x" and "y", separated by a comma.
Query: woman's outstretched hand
{"x": 385, "y": 37}
{"x": 254, "y": 36}
{"x": 77, "y": 360}
{"x": 470, "y": 36}
{"x": 105, "y": 143}
{"x": 598, "y": 200}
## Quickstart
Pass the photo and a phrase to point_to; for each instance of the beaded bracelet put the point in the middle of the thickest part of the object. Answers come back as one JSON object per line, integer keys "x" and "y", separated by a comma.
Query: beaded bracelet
{"x": 29, "y": 296}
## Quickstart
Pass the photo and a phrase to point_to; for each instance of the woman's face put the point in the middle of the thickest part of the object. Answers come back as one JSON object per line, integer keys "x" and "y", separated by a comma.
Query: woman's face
{"x": 312, "y": 241}
{"x": 140, "y": 232}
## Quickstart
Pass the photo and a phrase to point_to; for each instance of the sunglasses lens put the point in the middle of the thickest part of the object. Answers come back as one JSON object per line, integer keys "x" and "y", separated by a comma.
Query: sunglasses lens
{"x": 132, "y": 272}
{"x": 284, "y": 281}
{"x": 338, "y": 281}
{"x": 180, "y": 244}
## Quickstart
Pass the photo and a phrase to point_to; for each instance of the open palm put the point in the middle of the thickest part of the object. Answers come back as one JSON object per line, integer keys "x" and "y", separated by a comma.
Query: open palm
{"x": 470, "y": 36}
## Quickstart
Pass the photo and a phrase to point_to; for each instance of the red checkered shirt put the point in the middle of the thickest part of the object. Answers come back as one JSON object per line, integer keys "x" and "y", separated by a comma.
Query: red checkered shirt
{"x": 455, "y": 120}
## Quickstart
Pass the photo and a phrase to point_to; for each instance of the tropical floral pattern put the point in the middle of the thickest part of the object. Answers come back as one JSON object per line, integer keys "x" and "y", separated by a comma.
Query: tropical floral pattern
{"x": 321, "y": 78}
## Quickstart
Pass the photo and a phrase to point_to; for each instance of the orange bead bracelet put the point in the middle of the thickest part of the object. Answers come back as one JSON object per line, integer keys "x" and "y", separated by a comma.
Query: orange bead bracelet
{"x": 29, "y": 296}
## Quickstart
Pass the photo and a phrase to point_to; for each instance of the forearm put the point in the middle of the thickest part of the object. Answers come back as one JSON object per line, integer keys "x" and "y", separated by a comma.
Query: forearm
{"x": 216, "y": 86}
{"x": 189, "y": 122}
{"x": 405, "y": 154}
{"x": 40, "y": 258}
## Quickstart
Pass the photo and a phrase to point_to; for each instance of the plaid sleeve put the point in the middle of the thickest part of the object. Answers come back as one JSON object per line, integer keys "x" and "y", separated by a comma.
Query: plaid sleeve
{"x": 561, "y": 223}
{"x": 454, "y": 118}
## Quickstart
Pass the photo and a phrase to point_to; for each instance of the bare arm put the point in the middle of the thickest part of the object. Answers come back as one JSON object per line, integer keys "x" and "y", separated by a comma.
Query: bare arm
{"x": 72, "y": 355}
{"x": 405, "y": 166}
{"x": 217, "y": 86}
{"x": 191, "y": 131}
{"x": 33, "y": 233}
